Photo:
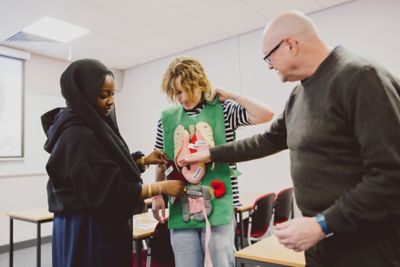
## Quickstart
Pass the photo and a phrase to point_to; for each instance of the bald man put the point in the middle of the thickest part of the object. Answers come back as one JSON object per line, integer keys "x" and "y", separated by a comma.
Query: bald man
{"x": 341, "y": 125}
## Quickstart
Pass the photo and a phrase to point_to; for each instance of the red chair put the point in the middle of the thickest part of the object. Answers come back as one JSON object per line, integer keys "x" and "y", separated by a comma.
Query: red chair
{"x": 260, "y": 215}
{"x": 283, "y": 206}
{"x": 143, "y": 259}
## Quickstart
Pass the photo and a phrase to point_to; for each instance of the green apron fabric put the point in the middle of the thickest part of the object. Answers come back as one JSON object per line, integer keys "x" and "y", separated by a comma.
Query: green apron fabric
{"x": 213, "y": 114}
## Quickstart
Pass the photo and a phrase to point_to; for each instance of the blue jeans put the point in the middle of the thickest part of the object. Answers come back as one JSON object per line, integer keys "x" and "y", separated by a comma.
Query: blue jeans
{"x": 188, "y": 246}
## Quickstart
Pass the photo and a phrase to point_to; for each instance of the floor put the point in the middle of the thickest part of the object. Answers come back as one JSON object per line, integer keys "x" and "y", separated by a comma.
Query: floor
{"x": 27, "y": 257}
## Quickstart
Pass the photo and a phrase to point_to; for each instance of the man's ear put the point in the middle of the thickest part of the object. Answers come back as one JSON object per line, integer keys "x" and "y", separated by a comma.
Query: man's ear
{"x": 293, "y": 45}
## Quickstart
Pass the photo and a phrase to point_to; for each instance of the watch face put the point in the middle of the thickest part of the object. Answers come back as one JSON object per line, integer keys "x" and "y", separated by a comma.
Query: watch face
{"x": 172, "y": 172}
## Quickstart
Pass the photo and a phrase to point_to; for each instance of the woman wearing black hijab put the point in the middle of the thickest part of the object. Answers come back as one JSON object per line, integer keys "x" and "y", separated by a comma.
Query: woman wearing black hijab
{"x": 94, "y": 182}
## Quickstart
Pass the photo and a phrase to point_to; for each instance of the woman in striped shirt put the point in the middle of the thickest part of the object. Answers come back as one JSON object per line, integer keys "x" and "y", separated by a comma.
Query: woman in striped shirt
{"x": 186, "y": 83}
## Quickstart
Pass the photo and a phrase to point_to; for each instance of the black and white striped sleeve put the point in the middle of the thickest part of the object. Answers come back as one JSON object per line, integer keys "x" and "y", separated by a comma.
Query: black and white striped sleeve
{"x": 235, "y": 114}
{"x": 160, "y": 136}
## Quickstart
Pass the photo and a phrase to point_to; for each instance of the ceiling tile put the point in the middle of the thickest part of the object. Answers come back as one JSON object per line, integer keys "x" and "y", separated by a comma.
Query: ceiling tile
{"x": 125, "y": 33}
{"x": 102, "y": 56}
{"x": 13, "y": 20}
{"x": 115, "y": 27}
{"x": 234, "y": 18}
{"x": 121, "y": 7}
{"x": 175, "y": 23}
{"x": 330, "y": 3}
{"x": 269, "y": 8}
{"x": 97, "y": 40}
{"x": 201, "y": 8}
{"x": 85, "y": 15}
{"x": 39, "y": 7}
{"x": 133, "y": 53}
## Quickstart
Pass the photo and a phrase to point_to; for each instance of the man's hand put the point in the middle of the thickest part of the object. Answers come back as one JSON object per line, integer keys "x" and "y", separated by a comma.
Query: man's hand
{"x": 299, "y": 234}
{"x": 201, "y": 156}
{"x": 157, "y": 206}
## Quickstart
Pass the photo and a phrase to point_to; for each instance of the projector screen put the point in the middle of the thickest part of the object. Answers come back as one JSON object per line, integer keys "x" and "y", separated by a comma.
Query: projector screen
{"x": 11, "y": 108}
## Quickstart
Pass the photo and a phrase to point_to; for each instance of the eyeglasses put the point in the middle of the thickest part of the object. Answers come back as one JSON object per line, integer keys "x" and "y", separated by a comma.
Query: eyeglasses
{"x": 267, "y": 57}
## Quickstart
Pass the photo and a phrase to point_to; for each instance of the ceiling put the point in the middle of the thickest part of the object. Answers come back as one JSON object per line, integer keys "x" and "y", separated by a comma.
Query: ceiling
{"x": 126, "y": 33}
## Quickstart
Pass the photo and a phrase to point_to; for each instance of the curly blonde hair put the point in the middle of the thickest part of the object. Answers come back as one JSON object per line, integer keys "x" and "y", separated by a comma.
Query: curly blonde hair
{"x": 192, "y": 75}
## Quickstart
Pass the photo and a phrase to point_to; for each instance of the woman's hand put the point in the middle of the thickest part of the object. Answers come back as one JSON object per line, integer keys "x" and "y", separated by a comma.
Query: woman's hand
{"x": 223, "y": 94}
{"x": 257, "y": 111}
{"x": 158, "y": 208}
{"x": 157, "y": 156}
{"x": 173, "y": 188}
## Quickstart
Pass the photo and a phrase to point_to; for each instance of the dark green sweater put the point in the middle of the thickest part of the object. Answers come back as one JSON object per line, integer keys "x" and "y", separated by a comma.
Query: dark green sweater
{"x": 342, "y": 128}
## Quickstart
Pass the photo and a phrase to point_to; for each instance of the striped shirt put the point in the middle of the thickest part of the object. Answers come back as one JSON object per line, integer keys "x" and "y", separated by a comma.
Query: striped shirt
{"x": 235, "y": 116}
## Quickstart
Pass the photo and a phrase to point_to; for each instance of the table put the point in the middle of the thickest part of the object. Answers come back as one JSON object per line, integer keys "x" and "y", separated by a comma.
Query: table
{"x": 144, "y": 225}
{"x": 269, "y": 252}
{"x": 143, "y": 228}
{"x": 38, "y": 216}
{"x": 247, "y": 201}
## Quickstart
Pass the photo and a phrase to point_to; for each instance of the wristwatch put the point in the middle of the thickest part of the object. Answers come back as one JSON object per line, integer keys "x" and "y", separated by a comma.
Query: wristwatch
{"x": 320, "y": 218}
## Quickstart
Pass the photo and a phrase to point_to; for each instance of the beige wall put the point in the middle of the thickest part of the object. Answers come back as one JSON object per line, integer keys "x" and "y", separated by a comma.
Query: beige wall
{"x": 23, "y": 182}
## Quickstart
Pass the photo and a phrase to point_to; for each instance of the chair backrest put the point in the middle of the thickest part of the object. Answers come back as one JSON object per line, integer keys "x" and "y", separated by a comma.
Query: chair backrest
{"x": 261, "y": 215}
{"x": 283, "y": 205}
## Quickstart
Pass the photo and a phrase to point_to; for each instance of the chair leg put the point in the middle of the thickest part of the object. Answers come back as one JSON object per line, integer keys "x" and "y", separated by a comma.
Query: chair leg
{"x": 241, "y": 230}
{"x": 249, "y": 238}
{"x": 11, "y": 241}
{"x": 148, "y": 258}
{"x": 38, "y": 245}
{"x": 292, "y": 210}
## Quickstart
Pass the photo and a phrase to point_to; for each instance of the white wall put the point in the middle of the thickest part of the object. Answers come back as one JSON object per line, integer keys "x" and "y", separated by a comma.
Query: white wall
{"x": 367, "y": 27}
{"x": 23, "y": 182}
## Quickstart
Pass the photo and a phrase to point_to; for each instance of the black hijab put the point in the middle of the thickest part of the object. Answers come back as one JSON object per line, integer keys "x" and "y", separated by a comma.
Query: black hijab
{"x": 81, "y": 83}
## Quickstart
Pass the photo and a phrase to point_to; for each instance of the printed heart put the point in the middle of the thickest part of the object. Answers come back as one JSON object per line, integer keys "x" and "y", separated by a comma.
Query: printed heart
{"x": 219, "y": 188}
{"x": 192, "y": 143}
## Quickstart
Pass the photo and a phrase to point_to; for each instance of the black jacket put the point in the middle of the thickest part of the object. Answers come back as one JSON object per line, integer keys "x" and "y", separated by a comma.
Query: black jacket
{"x": 83, "y": 174}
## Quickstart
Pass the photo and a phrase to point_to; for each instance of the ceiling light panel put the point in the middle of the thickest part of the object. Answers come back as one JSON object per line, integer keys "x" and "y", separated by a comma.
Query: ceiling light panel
{"x": 55, "y": 30}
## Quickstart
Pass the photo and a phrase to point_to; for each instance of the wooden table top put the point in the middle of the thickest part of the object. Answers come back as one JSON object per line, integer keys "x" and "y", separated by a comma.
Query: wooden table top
{"x": 144, "y": 225}
{"x": 271, "y": 251}
{"x": 247, "y": 200}
{"x": 32, "y": 215}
